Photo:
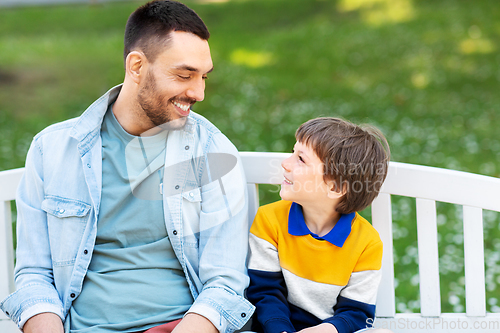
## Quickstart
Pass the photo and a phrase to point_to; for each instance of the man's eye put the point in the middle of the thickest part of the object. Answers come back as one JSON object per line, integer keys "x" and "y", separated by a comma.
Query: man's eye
{"x": 184, "y": 77}
{"x": 301, "y": 159}
{"x": 205, "y": 77}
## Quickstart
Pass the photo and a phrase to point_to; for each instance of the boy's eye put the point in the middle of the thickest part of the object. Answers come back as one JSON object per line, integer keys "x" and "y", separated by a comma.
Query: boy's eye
{"x": 299, "y": 157}
{"x": 205, "y": 77}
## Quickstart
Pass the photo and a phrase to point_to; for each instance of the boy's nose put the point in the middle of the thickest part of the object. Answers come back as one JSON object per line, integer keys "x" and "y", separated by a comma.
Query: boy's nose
{"x": 285, "y": 164}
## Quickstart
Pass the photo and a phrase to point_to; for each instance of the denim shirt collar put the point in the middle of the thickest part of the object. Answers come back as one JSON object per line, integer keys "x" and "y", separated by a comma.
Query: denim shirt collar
{"x": 91, "y": 119}
{"x": 337, "y": 236}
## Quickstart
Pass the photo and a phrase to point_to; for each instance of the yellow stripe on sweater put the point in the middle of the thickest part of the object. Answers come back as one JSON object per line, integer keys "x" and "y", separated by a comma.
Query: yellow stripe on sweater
{"x": 317, "y": 260}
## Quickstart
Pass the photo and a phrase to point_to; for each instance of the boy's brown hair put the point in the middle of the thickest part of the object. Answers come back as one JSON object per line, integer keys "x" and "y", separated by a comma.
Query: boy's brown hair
{"x": 355, "y": 157}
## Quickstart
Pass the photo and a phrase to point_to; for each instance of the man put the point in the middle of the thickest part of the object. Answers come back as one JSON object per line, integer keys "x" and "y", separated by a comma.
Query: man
{"x": 133, "y": 216}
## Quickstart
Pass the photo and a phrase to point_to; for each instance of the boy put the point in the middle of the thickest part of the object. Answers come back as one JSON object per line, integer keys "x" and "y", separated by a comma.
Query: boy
{"x": 314, "y": 262}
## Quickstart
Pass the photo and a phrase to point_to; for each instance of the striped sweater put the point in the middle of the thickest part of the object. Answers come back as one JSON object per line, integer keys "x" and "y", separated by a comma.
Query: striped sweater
{"x": 299, "y": 280}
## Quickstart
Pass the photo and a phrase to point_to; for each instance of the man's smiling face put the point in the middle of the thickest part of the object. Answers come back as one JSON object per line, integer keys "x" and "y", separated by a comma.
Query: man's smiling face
{"x": 176, "y": 79}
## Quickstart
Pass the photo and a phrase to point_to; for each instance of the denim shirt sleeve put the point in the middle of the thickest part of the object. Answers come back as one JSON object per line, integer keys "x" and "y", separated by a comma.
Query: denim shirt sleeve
{"x": 35, "y": 292}
{"x": 223, "y": 246}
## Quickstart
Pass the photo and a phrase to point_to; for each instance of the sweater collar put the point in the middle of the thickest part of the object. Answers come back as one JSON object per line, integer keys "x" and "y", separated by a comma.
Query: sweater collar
{"x": 337, "y": 236}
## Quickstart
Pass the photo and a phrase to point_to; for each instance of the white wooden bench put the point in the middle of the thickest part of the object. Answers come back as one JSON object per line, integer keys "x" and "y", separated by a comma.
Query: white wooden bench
{"x": 426, "y": 184}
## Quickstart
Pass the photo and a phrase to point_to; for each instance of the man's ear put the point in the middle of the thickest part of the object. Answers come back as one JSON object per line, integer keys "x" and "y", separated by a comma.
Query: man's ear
{"x": 135, "y": 65}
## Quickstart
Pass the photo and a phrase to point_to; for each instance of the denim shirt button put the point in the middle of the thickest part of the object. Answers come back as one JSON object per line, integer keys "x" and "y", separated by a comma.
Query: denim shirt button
{"x": 7, "y": 313}
{"x": 61, "y": 211}
{"x": 175, "y": 232}
{"x": 85, "y": 252}
{"x": 88, "y": 164}
{"x": 72, "y": 295}
{"x": 187, "y": 147}
{"x": 243, "y": 315}
{"x": 177, "y": 187}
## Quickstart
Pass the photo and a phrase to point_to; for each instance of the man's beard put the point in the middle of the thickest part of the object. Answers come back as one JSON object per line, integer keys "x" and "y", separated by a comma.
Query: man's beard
{"x": 152, "y": 103}
{"x": 155, "y": 106}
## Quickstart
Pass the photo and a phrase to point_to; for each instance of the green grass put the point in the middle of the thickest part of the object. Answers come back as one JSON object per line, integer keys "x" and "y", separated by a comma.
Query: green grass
{"x": 427, "y": 73}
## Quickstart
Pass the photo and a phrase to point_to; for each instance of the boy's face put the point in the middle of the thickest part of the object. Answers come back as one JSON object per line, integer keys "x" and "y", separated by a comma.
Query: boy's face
{"x": 304, "y": 183}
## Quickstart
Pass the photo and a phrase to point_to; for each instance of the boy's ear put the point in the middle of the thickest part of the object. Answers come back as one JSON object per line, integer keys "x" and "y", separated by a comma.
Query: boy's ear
{"x": 336, "y": 191}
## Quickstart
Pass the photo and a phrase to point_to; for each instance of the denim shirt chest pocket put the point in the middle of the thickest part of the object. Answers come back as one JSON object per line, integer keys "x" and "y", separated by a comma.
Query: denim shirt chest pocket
{"x": 66, "y": 220}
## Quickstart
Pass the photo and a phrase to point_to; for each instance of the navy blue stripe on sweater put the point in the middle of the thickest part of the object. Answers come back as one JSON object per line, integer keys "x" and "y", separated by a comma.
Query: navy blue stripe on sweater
{"x": 275, "y": 315}
{"x": 350, "y": 315}
{"x": 268, "y": 293}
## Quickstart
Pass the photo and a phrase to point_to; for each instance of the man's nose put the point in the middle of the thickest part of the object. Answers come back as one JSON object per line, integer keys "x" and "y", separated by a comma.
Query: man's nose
{"x": 197, "y": 90}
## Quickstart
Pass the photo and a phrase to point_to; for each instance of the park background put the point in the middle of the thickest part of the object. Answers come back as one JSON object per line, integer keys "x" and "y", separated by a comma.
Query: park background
{"x": 426, "y": 72}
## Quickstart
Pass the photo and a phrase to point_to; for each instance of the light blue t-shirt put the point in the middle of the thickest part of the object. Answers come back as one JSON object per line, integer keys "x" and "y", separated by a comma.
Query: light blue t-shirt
{"x": 134, "y": 281}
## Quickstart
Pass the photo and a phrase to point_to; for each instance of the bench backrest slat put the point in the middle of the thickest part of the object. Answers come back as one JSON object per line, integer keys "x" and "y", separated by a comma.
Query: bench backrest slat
{"x": 428, "y": 258}
{"x": 475, "y": 297}
{"x": 382, "y": 221}
{"x": 253, "y": 201}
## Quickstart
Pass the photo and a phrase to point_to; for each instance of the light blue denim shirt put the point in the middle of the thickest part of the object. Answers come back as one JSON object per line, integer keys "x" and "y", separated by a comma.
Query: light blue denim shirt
{"x": 204, "y": 197}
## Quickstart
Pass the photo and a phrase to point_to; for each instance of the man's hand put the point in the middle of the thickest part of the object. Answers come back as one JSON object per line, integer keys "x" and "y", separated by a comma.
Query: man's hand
{"x": 46, "y": 322}
{"x": 321, "y": 328}
{"x": 194, "y": 323}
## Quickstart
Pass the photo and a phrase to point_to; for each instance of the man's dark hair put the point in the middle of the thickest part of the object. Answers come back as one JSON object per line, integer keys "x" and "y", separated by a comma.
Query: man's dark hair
{"x": 149, "y": 26}
{"x": 355, "y": 157}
